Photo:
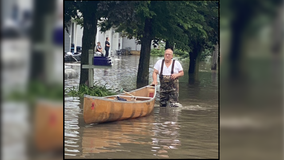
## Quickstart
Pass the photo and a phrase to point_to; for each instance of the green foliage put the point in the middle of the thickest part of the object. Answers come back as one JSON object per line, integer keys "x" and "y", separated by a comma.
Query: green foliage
{"x": 205, "y": 53}
{"x": 99, "y": 91}
{"x": 70, "y": 11}
{"x": 120, "y": 15}
{"x": 201, "y": 29}
{"x": 177, "y": 53}
{"x": 191, "y": 25}
{"x": 181, "y": 53}
{"x": 79, "y": 21}
{"x": 157, "y": 52}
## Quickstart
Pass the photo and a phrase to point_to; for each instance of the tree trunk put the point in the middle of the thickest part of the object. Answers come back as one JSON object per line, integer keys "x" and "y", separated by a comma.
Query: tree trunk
{"x": 215, "y": 58}
{"x": 236, "y": 80}
{"x": 238, "y": 26}
{"x": 193, "y": 71}
{"x": 234, "y": 53}
{"x": 143, "y": 68}
{"x": 277, "y": 39}
{"x": 90, "y": 30}
{"x": 194, "y": 62}
{"x": 38, "y": 57}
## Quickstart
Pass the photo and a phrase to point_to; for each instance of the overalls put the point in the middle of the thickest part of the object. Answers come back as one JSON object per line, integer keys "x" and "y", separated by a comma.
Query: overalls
{"x": 169, "y": 88}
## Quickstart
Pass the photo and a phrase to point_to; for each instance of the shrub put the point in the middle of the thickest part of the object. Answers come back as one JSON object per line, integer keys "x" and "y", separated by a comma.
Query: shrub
{"x": 205, "y": 53}
{"x": 157, "y": 52}
{"x": 181, "y": 53}
{"x": 96, "y": 90}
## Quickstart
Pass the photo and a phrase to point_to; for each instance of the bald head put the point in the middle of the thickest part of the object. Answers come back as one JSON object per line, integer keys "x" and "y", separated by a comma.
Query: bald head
{"x": 169, "y": 51}
{"x": 168, "y": 55}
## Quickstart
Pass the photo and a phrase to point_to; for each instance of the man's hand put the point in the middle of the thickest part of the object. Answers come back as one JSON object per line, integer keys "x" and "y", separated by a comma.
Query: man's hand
{"x": 174, "y": 76}
{"x": 154, "y": 83}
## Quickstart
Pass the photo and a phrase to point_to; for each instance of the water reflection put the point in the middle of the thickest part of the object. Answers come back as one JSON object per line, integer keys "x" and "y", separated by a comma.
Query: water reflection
{"x": 166, "y": 131}
{"x": 158, "y": 132}
{"x": 72, "y": 128}
{"x": 110, "y": 137}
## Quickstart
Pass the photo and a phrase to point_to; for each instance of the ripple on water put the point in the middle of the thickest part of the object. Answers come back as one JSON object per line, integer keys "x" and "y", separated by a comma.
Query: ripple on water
{"x": 72, "y": 150}
{"x": 68, "y": 154}
{"x": 68, "y": 134}
{"x": 71, "y": 127}
{"x": 69, "y": 141}
{"x": 193, "y": 108}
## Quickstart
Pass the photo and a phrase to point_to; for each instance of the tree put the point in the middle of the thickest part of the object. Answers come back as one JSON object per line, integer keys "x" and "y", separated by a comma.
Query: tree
{"x": 203, "y": 34}
{"x": 194, "y": 28}
{"x": 244, "y": 23}
{"x": 40, "y": 57}
{"x": 91, "y": 12}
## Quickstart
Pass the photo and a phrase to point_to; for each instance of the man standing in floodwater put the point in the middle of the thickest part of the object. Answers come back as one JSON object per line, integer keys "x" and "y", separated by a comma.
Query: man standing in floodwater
{"x": 107, "y": 45}
{"x": 169, "y": 71}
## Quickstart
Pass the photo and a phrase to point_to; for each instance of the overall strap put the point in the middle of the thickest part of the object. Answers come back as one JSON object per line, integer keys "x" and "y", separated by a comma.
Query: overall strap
{"x": 173, "y": 67}
{"x": 162, "y": 67}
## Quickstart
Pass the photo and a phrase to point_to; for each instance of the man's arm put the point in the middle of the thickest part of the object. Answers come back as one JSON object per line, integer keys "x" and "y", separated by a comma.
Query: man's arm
{"x": 180, "y": 73}
{"x": 176, "y": 75}
{"x": 155, "y": 77}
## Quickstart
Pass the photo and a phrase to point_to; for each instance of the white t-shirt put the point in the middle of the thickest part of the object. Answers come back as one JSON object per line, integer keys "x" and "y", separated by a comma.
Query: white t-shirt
{"x": 167, "y": 70}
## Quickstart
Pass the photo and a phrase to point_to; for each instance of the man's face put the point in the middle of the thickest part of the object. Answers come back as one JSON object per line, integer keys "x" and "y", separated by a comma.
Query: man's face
{"x": 168, "y": 55}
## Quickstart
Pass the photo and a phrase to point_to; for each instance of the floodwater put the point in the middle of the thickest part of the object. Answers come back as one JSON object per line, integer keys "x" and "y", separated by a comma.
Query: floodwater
{"x": 189, "y": 131}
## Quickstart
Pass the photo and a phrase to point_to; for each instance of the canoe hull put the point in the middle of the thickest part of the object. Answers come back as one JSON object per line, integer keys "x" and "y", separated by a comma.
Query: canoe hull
{"x": 48, "y": 126}
{"x": 102, "y": 109}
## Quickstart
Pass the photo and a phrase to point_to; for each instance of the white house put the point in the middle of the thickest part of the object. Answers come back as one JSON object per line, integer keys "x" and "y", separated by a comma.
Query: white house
{"x": 116, "y": 40}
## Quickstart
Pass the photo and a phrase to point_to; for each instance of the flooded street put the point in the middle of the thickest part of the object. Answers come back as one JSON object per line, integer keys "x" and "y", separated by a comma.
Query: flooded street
{"x": 190, "y": 131}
